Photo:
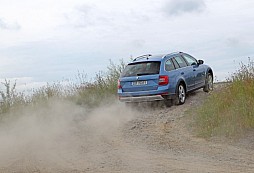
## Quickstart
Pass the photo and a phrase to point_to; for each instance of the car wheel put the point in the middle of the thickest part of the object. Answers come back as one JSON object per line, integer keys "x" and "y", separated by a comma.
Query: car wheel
{"x": 180, "y": 95}
{"x": 208, "y": 83}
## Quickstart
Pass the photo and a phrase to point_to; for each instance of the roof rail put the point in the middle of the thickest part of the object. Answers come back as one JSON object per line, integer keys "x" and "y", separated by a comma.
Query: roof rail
{"x": 176, "y": 52}
{"x": 142, "y": 56}
{"x": 172, "y": 54}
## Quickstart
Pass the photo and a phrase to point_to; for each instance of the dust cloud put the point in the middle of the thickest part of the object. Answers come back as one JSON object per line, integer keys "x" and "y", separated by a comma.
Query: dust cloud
{"x": 57, "y": 135}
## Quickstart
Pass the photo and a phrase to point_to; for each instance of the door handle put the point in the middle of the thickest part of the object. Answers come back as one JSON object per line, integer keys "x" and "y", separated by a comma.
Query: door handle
{"x": 182, "y": 73}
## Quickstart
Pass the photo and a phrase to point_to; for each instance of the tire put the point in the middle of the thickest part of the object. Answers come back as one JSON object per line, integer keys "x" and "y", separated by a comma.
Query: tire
{"x": 208, "y": 83}
{"x": 180, "y": 95}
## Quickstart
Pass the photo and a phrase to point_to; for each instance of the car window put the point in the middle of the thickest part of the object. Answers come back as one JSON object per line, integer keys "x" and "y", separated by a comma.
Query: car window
{"x": 180, "y": 61}
{"x": 190, "y": 60}
{"x": 141, "y": 68}
{"x": 169, "y": 65}
{"x": 175, "y": 63}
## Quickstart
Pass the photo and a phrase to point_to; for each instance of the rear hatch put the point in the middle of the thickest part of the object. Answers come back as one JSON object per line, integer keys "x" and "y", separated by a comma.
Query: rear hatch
{"x": 141, "y": 76}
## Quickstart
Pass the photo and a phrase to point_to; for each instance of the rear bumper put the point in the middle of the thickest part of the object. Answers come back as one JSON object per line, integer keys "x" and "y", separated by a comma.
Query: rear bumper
{"x": 146, "y": 96}
{"x": 141, "y": 98}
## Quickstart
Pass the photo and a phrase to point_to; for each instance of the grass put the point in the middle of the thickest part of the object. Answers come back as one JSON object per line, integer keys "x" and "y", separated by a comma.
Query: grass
{"x": 229, "y": 111}
{"x": 102, "y": 90}
{"x": 90, "y": 94}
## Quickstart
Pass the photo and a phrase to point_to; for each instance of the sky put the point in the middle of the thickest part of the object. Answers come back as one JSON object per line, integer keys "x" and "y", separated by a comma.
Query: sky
{"x": 53, "y": 40}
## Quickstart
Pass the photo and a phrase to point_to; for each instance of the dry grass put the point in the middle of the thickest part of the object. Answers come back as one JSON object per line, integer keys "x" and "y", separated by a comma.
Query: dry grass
{"x": 90, "y": 94}
{"x": 229, "y": 112}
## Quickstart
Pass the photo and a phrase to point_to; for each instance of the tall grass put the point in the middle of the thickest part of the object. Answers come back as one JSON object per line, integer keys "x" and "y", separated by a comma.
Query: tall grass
{"x": 229, "y": 111}
{"x": 89, "y": 93}
{"x": 102, "y": 90}
{"x": 10, "y": 97}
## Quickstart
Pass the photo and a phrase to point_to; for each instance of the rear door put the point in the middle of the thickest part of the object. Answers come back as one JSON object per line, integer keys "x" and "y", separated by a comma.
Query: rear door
{"x": 142, "y": 76}
{"x": 185, "y": 71}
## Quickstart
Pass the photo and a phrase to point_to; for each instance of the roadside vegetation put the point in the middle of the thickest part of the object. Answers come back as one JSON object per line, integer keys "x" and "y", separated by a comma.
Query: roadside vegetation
{"x": 88, "y": 93}
{"x": 229, "y": 111}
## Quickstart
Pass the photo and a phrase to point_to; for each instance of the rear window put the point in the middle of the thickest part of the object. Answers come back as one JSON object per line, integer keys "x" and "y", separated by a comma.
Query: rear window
{"x": 141, "y": 68}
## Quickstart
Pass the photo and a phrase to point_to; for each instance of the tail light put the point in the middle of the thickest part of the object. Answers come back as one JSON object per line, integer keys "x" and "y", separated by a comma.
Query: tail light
{"x": 119, "y": 84}
{"x": 163, "y": 80}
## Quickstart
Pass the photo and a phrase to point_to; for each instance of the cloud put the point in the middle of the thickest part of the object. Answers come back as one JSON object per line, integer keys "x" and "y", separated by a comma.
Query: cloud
{"x": 232, "y": 42}
{"x": 87, "y": 15}
{"x": 106, "y": 17}
{"x": 9, "y": 26}
{"x": 179, "y": 7}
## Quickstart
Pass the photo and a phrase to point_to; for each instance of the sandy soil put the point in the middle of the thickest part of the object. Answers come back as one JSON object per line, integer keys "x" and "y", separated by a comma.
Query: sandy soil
{"x": 62, "y": 137}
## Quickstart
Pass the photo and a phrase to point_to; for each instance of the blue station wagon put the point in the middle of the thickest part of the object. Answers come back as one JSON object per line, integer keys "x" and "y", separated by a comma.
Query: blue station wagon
{"x": 164, "y": 77}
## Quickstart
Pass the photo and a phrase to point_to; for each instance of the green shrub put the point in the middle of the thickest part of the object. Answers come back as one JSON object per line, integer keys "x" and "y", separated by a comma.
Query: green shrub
{"x": 228, "y": 112}
{"x": 101, "y": 89}
{"x": 10, "y": 97}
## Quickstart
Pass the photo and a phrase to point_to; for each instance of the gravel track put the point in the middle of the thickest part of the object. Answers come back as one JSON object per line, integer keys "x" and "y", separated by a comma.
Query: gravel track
{"x": 119, "y": 139}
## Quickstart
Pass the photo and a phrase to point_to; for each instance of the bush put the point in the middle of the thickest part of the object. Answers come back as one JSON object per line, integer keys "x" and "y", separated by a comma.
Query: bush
{"x": 101, "y": 89}
{"x": 10, "y": 97}
{"x": 229, "y": 112}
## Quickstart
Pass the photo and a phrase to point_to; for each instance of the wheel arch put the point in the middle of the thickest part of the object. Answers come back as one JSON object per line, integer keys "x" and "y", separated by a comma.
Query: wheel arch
{"x": 181, "y": 81}
{"x": 209, "y": 70}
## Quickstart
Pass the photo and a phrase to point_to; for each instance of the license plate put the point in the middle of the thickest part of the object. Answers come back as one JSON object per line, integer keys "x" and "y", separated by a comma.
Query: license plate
{"x": 142, "y": 82}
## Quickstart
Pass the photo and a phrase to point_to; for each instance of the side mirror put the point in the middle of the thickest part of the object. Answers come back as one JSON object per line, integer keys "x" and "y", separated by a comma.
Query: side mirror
{"x": 200, "y": 62}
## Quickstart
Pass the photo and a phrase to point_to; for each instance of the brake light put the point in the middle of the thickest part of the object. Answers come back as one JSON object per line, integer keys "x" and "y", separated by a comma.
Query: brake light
{"x": 119, "y": 84}
{"x": 163, "y": 80}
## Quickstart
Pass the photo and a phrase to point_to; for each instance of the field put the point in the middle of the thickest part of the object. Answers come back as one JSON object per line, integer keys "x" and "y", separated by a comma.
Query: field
{"x": 83, "y": 128}
{"x": 229, "y": 111}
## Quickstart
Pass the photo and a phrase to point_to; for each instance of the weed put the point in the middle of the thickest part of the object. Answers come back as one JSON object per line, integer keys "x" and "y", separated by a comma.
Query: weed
{"x": 91, "y": 93}
{"x": 229, "y": 112}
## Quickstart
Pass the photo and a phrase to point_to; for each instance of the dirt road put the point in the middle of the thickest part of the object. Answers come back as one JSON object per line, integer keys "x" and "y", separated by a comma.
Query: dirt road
{"x": 115, "y": 138}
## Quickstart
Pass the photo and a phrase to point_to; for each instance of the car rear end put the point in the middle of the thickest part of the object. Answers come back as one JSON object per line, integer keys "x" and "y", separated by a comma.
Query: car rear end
{"x": 143, "y": 81}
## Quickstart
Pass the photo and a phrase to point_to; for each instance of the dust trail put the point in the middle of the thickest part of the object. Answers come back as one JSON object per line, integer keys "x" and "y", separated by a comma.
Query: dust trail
{"x": 56, "y": 135}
